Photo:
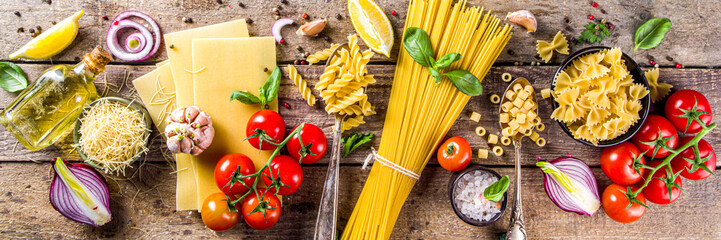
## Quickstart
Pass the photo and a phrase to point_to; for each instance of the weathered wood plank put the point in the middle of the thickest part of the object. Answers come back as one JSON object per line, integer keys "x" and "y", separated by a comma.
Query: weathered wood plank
{"x": 143, "y": 208}
{"x": 693, "y": 23}
{"x": 703, "y": 80}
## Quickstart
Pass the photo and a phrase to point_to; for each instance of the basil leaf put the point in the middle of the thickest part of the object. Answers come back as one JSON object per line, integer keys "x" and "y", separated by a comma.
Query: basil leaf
{"x": 437, "y": 75}
{"x": 12, "y": 77}
{"x": 650, "y": 34}
{"x": 269, "y": 90}
{"x": 495, "y": 191}
{"x": 348, "y": 143}
{"x": 418, "y": 45}
{"x": 446, "y": 60}
{"x": 244, "y": 97}
{"x": 465, "y": 82}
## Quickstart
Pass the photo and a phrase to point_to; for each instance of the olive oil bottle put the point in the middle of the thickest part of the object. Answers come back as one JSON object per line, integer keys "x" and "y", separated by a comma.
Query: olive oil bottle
{"x": 48, "y": 108}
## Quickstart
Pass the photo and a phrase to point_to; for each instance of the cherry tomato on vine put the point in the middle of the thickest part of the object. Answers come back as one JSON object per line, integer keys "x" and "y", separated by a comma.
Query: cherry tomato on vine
{"x": 271, "y": 123}
{"x": 616, "y": 204}
{"x": 225, "y": 170}
{"x": 315, "y": 141}
{"x": 289, "y": 171}
{"x": 649, "y": 133}
{"x": 454, "y": 154}
{"x": 680, "y": 110}
{"x": 257, "y": 219}
{"x": 618, "y": 161}
{"x": 216, "y": 215}
{"x": 689, "y": 167}
{"x": 657, "y": 189}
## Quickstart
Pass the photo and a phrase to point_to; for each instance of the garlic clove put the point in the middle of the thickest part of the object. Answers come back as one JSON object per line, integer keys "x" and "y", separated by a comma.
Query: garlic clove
{"x": 312, "y": 28}
{"x": 190, "y": 113}
{"x": 524, "y": 18}
{"x": 203, "y": 136}
{"x": 203, "y": 119}
{"x": 178, "y": 115}
{"x": 173, "y": 144}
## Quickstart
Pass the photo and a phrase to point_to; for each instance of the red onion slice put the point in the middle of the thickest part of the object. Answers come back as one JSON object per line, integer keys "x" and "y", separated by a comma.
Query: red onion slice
{"x": 80, "y": 193}
{"x": 278, "y": 25}
{"x": 571, "y": 185}
{"x": 152, "y": 40}
{"x": 139, "y": 45}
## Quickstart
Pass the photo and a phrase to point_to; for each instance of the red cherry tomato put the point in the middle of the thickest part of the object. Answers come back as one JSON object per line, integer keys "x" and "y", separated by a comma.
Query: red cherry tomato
{"x": 271, "y": 123}
{"x": 684, "y": 100}
{"x": 454, "y": 154}
{"x": 313, "y": 138}
{"x": 216, "y": 215}
{"x": 616, "y": 204}
{"x": 257, "y": 220}
{"x": 617, "y": 163}
{"x": 649, "y": 132}
{"x": 289, "y": 171}
{"x": 706, "y": 154}
{"x": 225, "y": 168}
{"x": 657, "y": 189}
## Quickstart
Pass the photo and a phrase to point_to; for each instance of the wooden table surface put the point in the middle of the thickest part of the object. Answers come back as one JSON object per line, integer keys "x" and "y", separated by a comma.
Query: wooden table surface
{"x": 143, "y": 200}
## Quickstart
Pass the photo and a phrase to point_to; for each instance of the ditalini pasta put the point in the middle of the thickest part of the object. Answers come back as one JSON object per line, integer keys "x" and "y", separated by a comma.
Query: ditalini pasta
{"x": 506, "y": 77}
{"x": 321, "y": 55}
{"x": 420, "y": 112}
{"x": 596, "y": 96}
{"x": 476, "y": 117}
{"x": 545, "y": 49}
{"x": 343, "y": 84}
{"x": 483, "y": 153}
{"x": 495, "y": 99}
{"x": 301, "y": 84}
{"x": 497, "y": 150}
{"x": 480, "y": 131}
{"x": 519, "y": 111}
{"x": 659, "y": 90}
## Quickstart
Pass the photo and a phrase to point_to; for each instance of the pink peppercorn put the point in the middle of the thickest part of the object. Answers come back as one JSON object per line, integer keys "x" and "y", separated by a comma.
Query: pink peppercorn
{"x": 594, "y": 4}
{"x": 282, "y": 40}
{"x": 678, "y": 65}
{"x": 652, "y": 62}
{"x": 591, "y": 17}
{"x": 393, "y": 12}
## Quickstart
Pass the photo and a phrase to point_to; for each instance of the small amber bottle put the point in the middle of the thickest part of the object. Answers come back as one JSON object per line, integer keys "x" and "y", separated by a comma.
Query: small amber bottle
{"x": 48, "y": 108}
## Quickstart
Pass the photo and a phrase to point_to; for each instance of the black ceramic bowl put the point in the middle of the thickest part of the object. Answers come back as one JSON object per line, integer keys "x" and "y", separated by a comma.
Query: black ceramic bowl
{"x": 451, "y": 192}
{"x": 638, "y": 77}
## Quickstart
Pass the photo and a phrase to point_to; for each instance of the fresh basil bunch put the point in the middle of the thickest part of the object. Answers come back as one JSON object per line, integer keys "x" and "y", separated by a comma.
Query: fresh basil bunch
{"x": 650, "y": 34}
{"x": 418, "y": 45}
{"x": 266, "y": 93}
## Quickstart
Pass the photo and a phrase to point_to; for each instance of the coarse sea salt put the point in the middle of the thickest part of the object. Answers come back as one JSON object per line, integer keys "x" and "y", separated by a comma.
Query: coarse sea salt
{"x": 469, "y": 198}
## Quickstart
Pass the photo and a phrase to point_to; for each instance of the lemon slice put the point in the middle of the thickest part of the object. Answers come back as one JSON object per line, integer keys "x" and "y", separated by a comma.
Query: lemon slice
{"x": 52, "y": 41}
{"x": 372, "y": 25}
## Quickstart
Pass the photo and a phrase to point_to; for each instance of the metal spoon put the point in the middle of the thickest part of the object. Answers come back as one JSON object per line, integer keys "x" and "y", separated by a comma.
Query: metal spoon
{"x": 325, "y": 225}
{"x": 516, "y": 228}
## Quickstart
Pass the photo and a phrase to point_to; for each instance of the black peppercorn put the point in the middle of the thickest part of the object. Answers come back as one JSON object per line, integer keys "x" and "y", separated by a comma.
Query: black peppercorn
{"x": 39, "y": 28}
{"x": 240, "y": 4}
{"x": 249, "y": 21}
{"x": 31, "y": 31}
{"x": 105, "y": 17}
{"x": 21, "y": 30}
{"x": 338, "y": 16}
{"x": 326, "y": 38}
{"x": 48, "y": 1}
{"x": 17, "y": 13}
{"x": 53, "y": 22}
{"x": 669, "y": 58}
{"x": 299, "y": 48}
{"x": 187, "y": 20}
{"x": 283, "y": 1}
{"x": 219, "y": 1}
{"x": 265, "y": 69}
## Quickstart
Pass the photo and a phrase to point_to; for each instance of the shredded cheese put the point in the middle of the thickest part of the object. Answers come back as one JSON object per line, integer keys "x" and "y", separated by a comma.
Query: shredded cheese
{"x": 112, "y": 135}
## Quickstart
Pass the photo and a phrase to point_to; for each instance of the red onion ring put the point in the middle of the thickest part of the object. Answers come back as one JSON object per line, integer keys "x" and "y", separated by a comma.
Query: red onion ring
{"x": 278, "y": 25}
{"x": 137, "y": 37}
{"x": 152, "y": 40}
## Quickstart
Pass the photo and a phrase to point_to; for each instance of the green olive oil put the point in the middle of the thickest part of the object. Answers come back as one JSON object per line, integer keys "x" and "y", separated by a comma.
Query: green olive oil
{"x": 48, "y": 108}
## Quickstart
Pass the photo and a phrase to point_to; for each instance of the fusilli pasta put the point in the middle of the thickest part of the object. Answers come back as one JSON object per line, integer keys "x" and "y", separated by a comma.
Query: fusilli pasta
{"x": 301, "y": 84}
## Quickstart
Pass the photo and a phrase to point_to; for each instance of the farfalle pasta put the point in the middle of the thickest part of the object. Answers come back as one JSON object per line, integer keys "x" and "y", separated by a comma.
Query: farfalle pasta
{"x": 659, "y": 90}
{"x": 545, "y": 49}
{"x": 597, "y": 98}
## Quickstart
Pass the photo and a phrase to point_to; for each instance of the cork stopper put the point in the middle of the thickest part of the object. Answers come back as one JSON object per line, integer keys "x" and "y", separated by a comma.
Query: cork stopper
{"x": 96, "y": 60}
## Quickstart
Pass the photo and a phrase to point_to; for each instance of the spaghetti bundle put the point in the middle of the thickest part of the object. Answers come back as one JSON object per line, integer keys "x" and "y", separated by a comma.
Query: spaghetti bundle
{"x": 421, "y": 112}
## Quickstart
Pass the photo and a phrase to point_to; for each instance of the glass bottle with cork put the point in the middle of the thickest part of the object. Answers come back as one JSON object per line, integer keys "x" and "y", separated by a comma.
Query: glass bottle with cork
{"x": 48, "y": 108}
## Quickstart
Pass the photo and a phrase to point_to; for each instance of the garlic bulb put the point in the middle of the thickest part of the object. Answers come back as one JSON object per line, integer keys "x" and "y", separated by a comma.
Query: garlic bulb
{"x": 189, "y": 130}
{"x": 524, "y": 18}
